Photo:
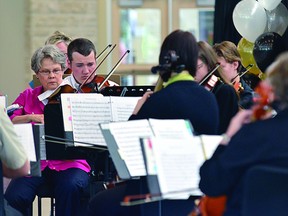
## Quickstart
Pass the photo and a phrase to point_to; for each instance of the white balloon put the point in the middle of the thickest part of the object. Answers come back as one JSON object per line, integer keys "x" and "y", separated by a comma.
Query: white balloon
{"x": 250, "y": 19}
{"x": 277, "y": 19}
{"x": 269, "y": 4}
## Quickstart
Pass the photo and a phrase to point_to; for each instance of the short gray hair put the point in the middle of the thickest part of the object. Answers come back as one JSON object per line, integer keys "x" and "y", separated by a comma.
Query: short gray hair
{"x": 47, "y": 51}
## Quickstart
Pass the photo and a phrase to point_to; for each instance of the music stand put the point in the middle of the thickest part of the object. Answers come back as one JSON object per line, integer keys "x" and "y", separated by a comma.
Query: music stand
{"x": 127, "y": 91}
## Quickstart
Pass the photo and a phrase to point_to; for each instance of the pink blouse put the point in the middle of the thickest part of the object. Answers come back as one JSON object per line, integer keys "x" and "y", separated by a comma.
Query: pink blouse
{"x": 28, "y": 99}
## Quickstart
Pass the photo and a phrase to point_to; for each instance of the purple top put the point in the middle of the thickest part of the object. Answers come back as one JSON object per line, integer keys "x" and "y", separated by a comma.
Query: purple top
{"x": 28, "y": 99}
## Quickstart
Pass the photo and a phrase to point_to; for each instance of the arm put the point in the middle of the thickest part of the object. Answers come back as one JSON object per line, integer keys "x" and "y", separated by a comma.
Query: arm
{"x": 141, "y": 102}
{"x": 27, "y": 100}
{"x": 14, "y": 173}
{"x": 13, "y": 156}
{"x": 38, "y": 118}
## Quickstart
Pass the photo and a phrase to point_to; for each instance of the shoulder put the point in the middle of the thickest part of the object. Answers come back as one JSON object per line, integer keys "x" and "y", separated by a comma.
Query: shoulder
{"x": 225, "y": 88}
{"x": 30, "y": 91}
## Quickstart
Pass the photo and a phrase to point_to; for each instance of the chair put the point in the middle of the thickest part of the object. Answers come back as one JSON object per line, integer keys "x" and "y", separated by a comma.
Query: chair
{"x": 266, "y": 191}
{"x": 45, "y": 192}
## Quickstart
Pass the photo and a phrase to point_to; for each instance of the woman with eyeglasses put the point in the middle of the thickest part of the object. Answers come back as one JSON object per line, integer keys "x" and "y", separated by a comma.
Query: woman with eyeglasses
{"x": 224, "y": 92}
{"x": 66, "y": 179}
{"x": 48, "y": 63}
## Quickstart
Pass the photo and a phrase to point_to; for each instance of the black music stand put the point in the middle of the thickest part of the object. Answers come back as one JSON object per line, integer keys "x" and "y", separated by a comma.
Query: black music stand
{"x": 99, "y": 160}
{"x": 126, "y": 91}
{"x": 54, "y": 129}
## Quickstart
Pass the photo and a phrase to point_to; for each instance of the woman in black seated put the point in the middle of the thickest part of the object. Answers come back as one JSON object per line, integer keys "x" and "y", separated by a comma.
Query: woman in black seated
{"x": 253, "y": 143}
{"x": 180, "y": 98}
{"x": 222, "y": 88}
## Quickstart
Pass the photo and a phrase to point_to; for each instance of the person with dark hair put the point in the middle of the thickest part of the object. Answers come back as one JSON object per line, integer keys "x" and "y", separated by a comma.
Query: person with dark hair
{"x": 82, "y": 61}
{"x": 180, "y": 92}
{"x": 230, "y": 60}
{"x": 223, "y": 90}
{"x": 65, "y": 178}
{"x": 249, "y": 143}
{"x": 180, "y": 98}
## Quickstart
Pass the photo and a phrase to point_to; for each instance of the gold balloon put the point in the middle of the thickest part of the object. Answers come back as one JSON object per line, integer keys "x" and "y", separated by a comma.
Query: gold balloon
{"x": 245, "y": 48}
{"x": 262, "y": 76}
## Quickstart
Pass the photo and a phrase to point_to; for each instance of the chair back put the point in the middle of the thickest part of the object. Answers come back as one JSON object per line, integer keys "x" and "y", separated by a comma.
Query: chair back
{"x": 265, "y": 191}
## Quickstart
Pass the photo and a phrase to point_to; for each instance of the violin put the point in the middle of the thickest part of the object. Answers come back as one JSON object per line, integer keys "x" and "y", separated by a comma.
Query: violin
{"x": 237, "y": 85}
{"x": 210, "y": 80}
{"x": 68, "y": 71}
{"x": 95, "y": 86}
{"x": 262, "y": 100}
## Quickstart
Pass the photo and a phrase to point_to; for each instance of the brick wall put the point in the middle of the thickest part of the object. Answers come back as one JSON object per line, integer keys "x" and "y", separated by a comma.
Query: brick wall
{"x": 74, "y": 18}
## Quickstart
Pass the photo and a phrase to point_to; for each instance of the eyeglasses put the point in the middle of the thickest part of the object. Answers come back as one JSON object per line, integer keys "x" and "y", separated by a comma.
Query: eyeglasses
{"x": 47, "y": 72}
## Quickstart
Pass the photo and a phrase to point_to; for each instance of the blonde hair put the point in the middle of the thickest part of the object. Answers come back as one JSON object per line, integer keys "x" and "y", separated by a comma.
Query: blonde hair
{"x": 58, "y": 37}
{"x": 228, "y": 51}
{"x": 277, "y": 74}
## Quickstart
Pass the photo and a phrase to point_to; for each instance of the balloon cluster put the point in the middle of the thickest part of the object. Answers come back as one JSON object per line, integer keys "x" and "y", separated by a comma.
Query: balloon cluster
{"x": 261, "y": 24}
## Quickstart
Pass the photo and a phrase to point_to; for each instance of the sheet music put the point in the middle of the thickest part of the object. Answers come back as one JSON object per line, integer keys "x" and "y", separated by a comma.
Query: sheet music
{"x": 87, "y": 112}
{"x": 127, "y": 136}
{"x": 66, "y": 110}
{"x": 177, "y": 162}
{"x": 171, "y": 128}
{"x": 25, "y": 135}
{"x": 122, "y": 111}
{"x": 82, "y": 114}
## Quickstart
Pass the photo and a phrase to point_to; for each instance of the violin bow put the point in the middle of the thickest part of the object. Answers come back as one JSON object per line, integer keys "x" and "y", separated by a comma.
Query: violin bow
{"x": 209, "y": 74}
{"x": 240, "y": 75}
{"x": 101, "y": 53}
{"x": 113, "y": 69}
{"x": 96, "y": 67}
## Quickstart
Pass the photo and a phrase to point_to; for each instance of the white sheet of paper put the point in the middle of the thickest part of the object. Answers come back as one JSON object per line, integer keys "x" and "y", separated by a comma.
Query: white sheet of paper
{"x": 25, "y": 134}
{"x": 210, "y": 142}
{"x": 123, "y": 108}
{"x": 127, "y": 134}
{"x": 87, "y": 112}
{"x": 171, "y": 128}
{"x": 3, "y": 101}
{"x": 178, "y": 162}
{"x": 82, "y": 114}
{"x": 177, "y": 167}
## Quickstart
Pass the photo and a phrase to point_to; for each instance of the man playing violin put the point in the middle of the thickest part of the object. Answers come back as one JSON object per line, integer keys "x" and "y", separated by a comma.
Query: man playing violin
{"x": 82, "y": 61}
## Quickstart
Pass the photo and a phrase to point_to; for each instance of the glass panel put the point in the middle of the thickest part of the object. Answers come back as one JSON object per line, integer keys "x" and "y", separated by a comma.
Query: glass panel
{"x": 198, "y": 21}
{"x": 130, "y": 80}
{"x": 141, "y": 36}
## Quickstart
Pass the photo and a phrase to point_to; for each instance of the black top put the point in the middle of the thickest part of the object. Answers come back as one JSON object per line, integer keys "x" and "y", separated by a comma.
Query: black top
{"x": 227, "y": 100}
{"x": 183, "y": 100}
{"x": 262, "y": 142}
{"x": 246, "y": 95}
